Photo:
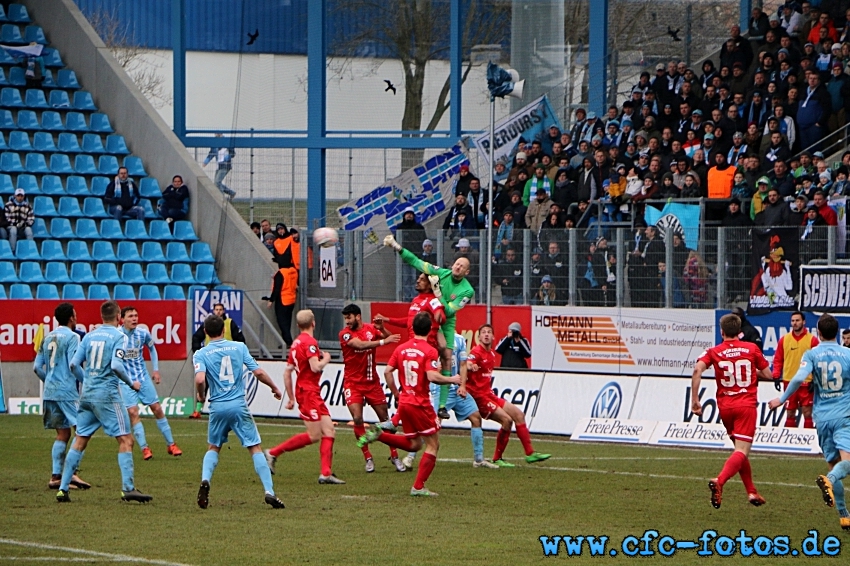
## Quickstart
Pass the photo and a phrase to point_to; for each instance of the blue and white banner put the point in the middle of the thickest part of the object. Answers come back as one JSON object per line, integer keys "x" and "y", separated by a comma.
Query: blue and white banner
{"x": 428, "y": 188}
{"x": 681, "y": 218}
{"x": 24, "y": 51}
{"x": 527, "y": 124}
{"x": 205, "y": 299}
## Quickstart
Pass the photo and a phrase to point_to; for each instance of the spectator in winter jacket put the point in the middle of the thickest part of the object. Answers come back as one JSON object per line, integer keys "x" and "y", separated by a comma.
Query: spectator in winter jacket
{"x": 413, "y": 232}
{"x": 538, "y": 210}
{"x": 122, "y": 197}
{"x": 813, "y": 111}
{"x": 20, "y": 217}
{"x": 514, "y": 348}
{"x": 174, "y": 203}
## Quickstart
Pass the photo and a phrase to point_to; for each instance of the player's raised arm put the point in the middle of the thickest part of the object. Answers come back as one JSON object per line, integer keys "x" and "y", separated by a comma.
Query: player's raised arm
{"x": 410, "y": 258}
{"x": 696, "y": 377}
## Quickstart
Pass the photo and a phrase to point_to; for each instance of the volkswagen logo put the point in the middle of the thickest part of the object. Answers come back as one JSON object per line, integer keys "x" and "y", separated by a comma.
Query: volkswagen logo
{"x": 251, "y": 385}
{"x": 607, "y": 403}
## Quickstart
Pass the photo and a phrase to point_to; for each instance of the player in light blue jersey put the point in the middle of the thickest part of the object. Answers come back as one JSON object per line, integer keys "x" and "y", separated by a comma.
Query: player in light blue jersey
{"x": 829, "y": 365}
{"x": 463, "y": 406}
{"x": 60, "y": 399}
{"x": 219, "y": 365}
{"x": 135, "y": 341}
{"x": 100, "y": 403}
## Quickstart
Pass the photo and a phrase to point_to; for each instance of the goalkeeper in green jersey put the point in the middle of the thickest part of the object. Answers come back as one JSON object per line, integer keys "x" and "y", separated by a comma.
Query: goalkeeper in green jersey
{"x": 454, "y": 292}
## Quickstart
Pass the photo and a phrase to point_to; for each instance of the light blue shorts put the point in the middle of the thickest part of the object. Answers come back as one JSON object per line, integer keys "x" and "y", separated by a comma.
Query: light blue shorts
{"x": 59, "y": 414}
{"x": 235, "y": 416}
{"x": 834, "y": 435}
{"x": 463, "y": 407}
{"x": 146, "y": 395}
{"x": 112, "y": 417}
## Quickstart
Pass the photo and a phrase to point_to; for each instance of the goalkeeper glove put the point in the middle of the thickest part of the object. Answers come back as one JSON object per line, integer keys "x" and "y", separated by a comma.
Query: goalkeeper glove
{"x": 777, "y": 383}
{"x": 435, "y": 285}
{"x": 390, "y": 242}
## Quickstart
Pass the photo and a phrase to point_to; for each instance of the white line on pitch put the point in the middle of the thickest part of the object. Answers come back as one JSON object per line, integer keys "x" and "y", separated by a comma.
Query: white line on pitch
{"x": 59, "y": 559}
{"x": 104, "y": 555}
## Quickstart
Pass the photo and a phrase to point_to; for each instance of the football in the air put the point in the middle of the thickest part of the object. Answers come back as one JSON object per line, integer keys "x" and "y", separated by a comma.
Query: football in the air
{"x": 325, "y": 237}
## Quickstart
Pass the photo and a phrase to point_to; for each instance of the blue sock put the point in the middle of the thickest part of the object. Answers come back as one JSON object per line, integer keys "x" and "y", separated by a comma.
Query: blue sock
{"x": 139, "y": 433}
{"x": 165, "y": 429}
{"x": 838, "y": 492}
{"x": 72, "y": 461}
{"x": 125, "y": 462}
{"x": 58, "y": 453}
{"x": 262, "y": 469}
{"x": 210, "y": 462}
{"x": 477, "y": 443}
{"x": 839, "y": 471}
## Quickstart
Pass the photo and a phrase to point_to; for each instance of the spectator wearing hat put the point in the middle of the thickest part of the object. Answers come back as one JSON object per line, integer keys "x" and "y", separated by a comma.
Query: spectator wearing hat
{"x": 578, "y": 124}
{"x": 505, "y": 236}
{"x": 553, "y": 134}
{"x": 257, "y": 228}
{"x": 841, "y": 185}
{"x": 538, "y": 210}
{"x": 520, "y": 165}
{"x": 268, "y": 241}
{"x": 509, "y": 274}
{"x": 797, "y": 210}
{"x": 739, "y": 82}
{"x": 428, "y": 254}
{"x": 500, "y": 171}
{"x": 538, "y": 181}
{"x": 460, "y": 216}
{"x": 547, "y": 293}
{"x": 19, "y": 216}
{"x": 464, "y": 177}
{"x": 514, "y": 348}
{"x": 518, "y": 209}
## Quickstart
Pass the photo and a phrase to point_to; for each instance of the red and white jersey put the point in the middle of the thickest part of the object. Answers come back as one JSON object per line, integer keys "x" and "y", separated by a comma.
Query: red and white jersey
{"x": 426, "y": 302}
{"x": 359, "y": 364}
{"x": 413, "y": 360}
{"x": 481, "y": 381}
{"x": 303, "y": 348}
{"x": 736, "y": 366}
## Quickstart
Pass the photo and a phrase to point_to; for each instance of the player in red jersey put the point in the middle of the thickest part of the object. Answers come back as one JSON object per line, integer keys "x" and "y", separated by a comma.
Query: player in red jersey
{"x": 420, "y": 365}
{"x": 361, "y": 384}
{"x": 479, "y": 378}
{"x": 307, "y": 362}
{"x": 737, "y": 366}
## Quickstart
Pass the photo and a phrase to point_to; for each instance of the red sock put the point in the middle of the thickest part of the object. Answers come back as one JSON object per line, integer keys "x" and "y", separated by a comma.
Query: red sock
{"x": 326, "y": 451}
{"x": 790, "y": 418}
{"x": 502, "y": 439}
{"x": 747, "y": 476}
{"x": 396, "y": 441}
{"x": 808, "y": 422}
{"x": 393, "y": 453}
{"x": 294, "y": 443}
{"x": 525, "y": 438}
{"x": 360, "y": 430}
{"x": 426, "y": 466}
{"x": 731, "y": 467}
{"x": 396, "y": 419}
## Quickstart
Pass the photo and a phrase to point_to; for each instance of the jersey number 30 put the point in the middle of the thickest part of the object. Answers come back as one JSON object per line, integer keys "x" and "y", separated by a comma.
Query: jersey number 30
{"x": 736, "y": 373}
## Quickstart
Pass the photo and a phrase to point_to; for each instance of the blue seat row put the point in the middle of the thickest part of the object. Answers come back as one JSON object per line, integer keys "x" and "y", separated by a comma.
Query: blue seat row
{"x": 102, "y": 250}
{"x": 17, "y": 14}
{"x": 10, "y": 34}
{"x": 35, "y": 98}
{"x": 97, "y": 291}
{"x": 110, "y": 229}
{"x": 60, "y": 163}
{"x": 50, "y": 56}
{"x": 65, "y": 79}
{"x": 51, "y": 121}
{"x": 75, "y": 186}
{"x": 68, "y": 142}
{"x": 107, "y": 273}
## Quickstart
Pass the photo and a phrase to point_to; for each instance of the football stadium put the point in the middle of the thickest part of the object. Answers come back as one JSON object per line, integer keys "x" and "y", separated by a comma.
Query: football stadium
{"x": 424, "y": 281}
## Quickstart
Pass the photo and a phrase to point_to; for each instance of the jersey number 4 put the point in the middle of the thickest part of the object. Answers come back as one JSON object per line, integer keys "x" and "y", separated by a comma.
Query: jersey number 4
{"x": 738, "y": 373}
{"x": 226, "y": 373}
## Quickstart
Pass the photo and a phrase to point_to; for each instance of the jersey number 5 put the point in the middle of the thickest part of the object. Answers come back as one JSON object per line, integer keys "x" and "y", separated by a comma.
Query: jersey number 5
{"x": 736, "y": 373}
{"x": 411, "y": 378}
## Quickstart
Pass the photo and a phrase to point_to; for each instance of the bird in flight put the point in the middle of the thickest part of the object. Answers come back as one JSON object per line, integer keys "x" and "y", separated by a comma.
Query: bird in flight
{"x": 673, "y": 34}
{"x": 390, "y": 86}
{"x": 252, "y": 37}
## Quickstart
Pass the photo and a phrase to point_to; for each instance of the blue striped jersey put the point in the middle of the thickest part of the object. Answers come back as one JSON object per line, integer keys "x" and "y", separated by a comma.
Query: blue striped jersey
{"x": 55, "y": 354}
{"x": 222, "y": 361}
{"x": 134, "y": 361}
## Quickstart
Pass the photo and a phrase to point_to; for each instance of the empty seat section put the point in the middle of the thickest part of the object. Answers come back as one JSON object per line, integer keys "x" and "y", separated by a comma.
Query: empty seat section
{"x": 131, "y": 273}
{"x": 98, "y": 186}
{"x": 66, "y": 78}
{"x": 7, "y": 123}
{"x": 116, "y": 145}
{"x": 30, "y": 272}
{"x": 100, "y": 124}
{"x": 174, "y": 293}
{"x": 78, "y": 250}
{"x": 149, "y": 293}
{"x": 99, "y": 293}
{"x": 43, "y": 141}
{"x": 73, "y": 292}
{"x": 103, "y": 251}
{"x": 181, "y": 273}
{"x": 76, "y": 122}
{"x": 51, "y": 250}
{"x": 36, "y": 163}
{"x": 29, "y": 183}
{"x": 56, "y": 272}
{"x": 6, "y": 186}
{"x": 84, "y": 165}
{"x": 160, "y": 230}
{"x": 93, "y": 144}
{"x": 43, "y": 207}
{"x": 156, "y": 273}
{"x": 134, "y": 166}
{"x": 69, "y": 207}
{"x": 108, "y": 165}
{"x": 27, "y": 250}
{"x": 152, "y": 252}
{"x": 10, "y": 162}
{"x": 52, "y": 185}
{"x": 47, "y": 291}
{"x": 135, "y": 230}
{"x": 83, "y": 101}
{"x": 128, "y": 251}
{"x": 10, "y": 97}
{"x": 77, "y": 186}
{"x": 68, "y": 143}
{"x": 58, "y": 99}
{"x": 18, "y": 14}
{"x": 20, "y": 291}
{"x": 61, "y": 164}
{"x": 175, "y": 252}
{"x": 60, "y": 229}
{"x": 205, "y": 274}
{"x": 6, "y": 253}
{"x": 34, "y": 34}
{"x": 81, "y": 273}
{"x": 39, "y": 229}
{"x": 86, "y": 229}
{"x": 35, "y": 98}
{"x": 50, "y": 121}
{"x": 93, "y": 208}
{"x": 123, "y": 292}
{"x": 19, "y": 141}
{"x": 7, "y": 272}
{"x": 107, "y": 273}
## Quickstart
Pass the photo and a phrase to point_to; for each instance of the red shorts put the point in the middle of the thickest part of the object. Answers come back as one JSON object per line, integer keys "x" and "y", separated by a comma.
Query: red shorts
{"x": 418, "y": 421}
{"x": 360, "y": 393}
{"x": 803, "y": 397}
{"x": 311, "y": 406}
{"x": 740, "y": 421}
{"x": 488, "y": 403}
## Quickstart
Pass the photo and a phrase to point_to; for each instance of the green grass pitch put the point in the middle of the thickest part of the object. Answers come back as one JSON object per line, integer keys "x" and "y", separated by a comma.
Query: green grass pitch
{"x": 481, "y": 516}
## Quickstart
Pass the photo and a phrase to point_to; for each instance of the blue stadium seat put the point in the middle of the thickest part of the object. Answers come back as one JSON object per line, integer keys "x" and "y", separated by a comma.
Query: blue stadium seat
{"x": 18, "y": 14}
{"x": 11, "y": 97}
{"x": 39, "y": 229}
{"x": 84, "y": 165}
{"x": 27, "y": 120}
{"x": 148, "y": 208}
{"x": 69, "y": 207}
{"x": 7, "y": 272}
{"x": 7, "y": 123}
{"x": 36, "y": 163}
{"x": 52, "y": 59}
{"x": 68, "y": 143}
{"x": 205, "y": 274}
{"x": 134, "y": 166}
{"x": 81, "y": 273}
{"x": 184, "y": 232}
{"x": 83, "y": 101}
{"x": 52, "y": 185}
{"x": 99, "y": 293}
{"x": 100, "y": 124}
{"x": 59, "y": 99}
{"x": 76, "y": 186}
{"x": 124, "y": 292}
{"x": 128, "y": 251}
{"x": 20, "y": 292}
{"x": 3, "y": 146}
{"x": 174, "y": 293}
{"x": 87, "y": 230}
{"x": 156, "y": 273}
{"x": 47, "y": 291}
{"x": 102, "y": 251}
{"x": 48, "y": 81}
{"x": 56, "y": 272}
{"x": 73, "y": 292}
{"x": 51, "y": 250}
{"x": 43, "y": 141}
{"x": 29, "y": 183}
{"x": 110, "y": 229}
{"x": 35, "y": 98}
{"x": 78, "y": 250}
{"x": 76, "y": 122}
{"x": 18, "y": 77}
{"x": 93, "y": 144}
{"x": 67, "y": 79}
{"x": 135, "y": 230}
{"x": 35, "y": 34}
{"x": 149, "y": 293}
{"x": 19, "y": 141}
{"x": 6, "y": 186}
{"x": 175, "y": 252}
{"x": 160, "y": 231}
{"x": 116, "y": 145}
{"x": 43, "y": 207}
{"x": 93, "y": 208}
{"x": 149, "y": 188}
{"x": 152, "y": 252}
{"x": 98, "y": 186}
{"x": 27, "y": 250}
{"x": 181, "y": 273}
{"x": 10, "y": 34}
{"x": 60, "y": 228}
{"x": 60, "y": 164}
{"x": 11, "y": 162}
{"x": 107, "y": 273}
{"x": 30, "y": 272}
{"x": 6, "y": 59}
{"x": 6, "y": 251}
{"x": 131, "y": 273}
{"x": 2, "y": 287}
{"x": 108, "y": 165}
{"x": 3, "y": 80}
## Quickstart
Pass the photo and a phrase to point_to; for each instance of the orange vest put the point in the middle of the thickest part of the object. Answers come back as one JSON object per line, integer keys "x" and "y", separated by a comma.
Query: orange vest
{"x": 720, "y": 182}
